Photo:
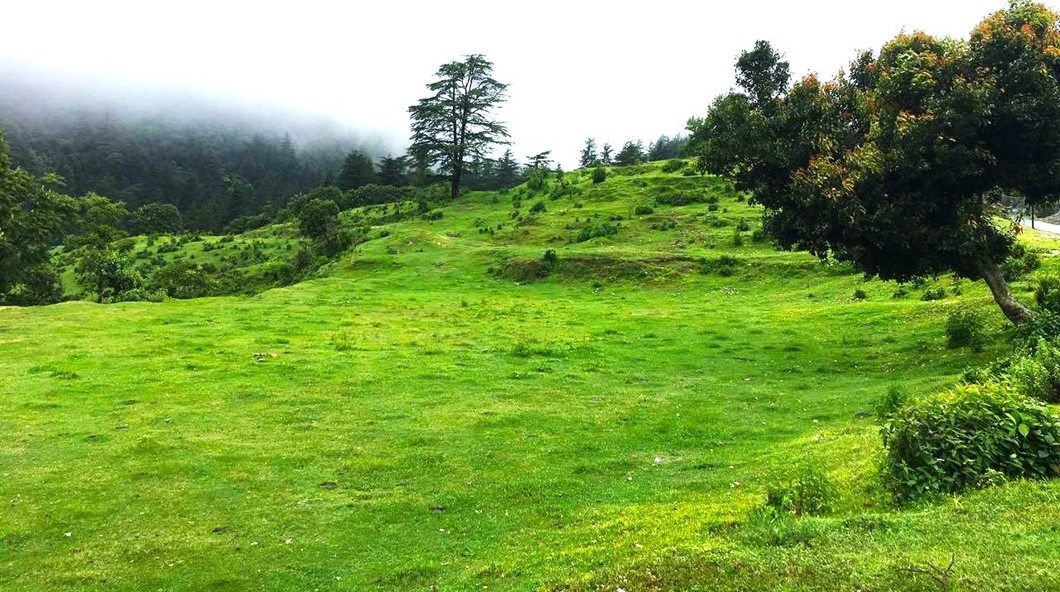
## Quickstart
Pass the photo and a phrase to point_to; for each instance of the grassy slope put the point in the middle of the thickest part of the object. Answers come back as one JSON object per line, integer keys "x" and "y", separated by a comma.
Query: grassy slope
{"x": 470, "y": 431}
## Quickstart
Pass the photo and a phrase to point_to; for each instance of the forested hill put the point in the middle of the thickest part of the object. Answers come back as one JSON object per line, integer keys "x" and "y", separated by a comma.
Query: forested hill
{"x": 212, "y": 163}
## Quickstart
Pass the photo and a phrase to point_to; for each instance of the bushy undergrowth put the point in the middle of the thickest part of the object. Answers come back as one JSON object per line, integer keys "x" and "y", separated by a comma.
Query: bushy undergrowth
{"x": 966, "y": 328}
{"x": 955, "y": 439}
{"x": 1034, "y": 370}
{"x": 807, "y": 492}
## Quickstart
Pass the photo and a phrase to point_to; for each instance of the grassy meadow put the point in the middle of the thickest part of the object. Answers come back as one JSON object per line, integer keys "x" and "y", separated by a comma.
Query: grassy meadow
{"x": 445, "y": 408}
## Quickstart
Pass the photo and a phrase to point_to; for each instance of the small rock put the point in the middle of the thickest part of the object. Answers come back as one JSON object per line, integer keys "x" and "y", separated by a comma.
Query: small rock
{"x": 329, "y": 485}
{"x": 219, "y": 530}
{"x": 437, "y": 509}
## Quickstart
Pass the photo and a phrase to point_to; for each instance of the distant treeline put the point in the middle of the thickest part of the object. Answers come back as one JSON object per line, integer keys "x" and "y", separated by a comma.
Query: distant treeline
{"x": 211, "y": 173}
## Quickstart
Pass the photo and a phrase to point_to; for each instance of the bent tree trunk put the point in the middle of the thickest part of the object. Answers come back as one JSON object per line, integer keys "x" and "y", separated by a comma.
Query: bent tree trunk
{"x": 1016, "y": 312}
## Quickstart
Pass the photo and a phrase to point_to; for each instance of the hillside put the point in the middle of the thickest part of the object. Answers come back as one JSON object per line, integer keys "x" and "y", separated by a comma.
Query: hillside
{"x": 583, "y": 387}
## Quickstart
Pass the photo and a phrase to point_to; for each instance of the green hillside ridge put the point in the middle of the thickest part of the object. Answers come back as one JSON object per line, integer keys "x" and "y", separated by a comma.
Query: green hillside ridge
{"x": 592, "y": 393}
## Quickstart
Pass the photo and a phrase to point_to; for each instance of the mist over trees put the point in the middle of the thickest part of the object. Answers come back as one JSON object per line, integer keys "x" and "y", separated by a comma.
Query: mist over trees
{"x": 210, "y": 162}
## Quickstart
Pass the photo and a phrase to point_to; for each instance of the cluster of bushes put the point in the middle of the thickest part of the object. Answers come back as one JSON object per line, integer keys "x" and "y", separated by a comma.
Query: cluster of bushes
{"x": 594, "y": 228}
{"x": 972, "y": 435}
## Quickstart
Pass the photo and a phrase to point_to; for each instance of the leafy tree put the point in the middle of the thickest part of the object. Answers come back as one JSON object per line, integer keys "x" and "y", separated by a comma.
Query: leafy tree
{"x": 157, "y": 218}
{"x": 666, "y": 147}
{"x": 630, "y": 154}
{"x": 32, "y": 218}
{"x": 605, "y": 154}
{"x": 588, "y": 157}
{"x": 393, "y": 171}
{"x": 508, "y": 170}
{"x": 107, "y": 273}
{"x": 358, "y": 170}
{"x": 895, "y": 165}
{"x": 454, "y": 124}
{"x": 763, "y": 73}
{"x": 318, "y": 218}
{"x": 539, "y": 161}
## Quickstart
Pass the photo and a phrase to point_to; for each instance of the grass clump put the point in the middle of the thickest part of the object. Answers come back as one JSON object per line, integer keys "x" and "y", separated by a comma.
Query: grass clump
{"x": 809, "y": 492}
{"x": 954, "y": 439}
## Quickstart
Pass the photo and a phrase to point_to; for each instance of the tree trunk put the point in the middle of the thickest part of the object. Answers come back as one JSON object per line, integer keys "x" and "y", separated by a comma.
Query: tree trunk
{"x": 1016, "y": 312}
{"x": 454, "y": 182}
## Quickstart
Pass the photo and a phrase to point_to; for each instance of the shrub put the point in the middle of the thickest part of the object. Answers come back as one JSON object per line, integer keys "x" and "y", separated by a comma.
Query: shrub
{"x": 964, "y": 327}
{"x": 1044, "y": 325}
{"x": 889, "y": 403}
{"x": 937, "y": 293}
{"x": 951, "y": 440}
{"x": 599, "y": 175}
{"x": 643, "y": 210}
{"x": 743, "y": 226}
{"x": 859, "y": 294}
{"x": 1021, "y": 262}
{"x": 724, "y": 265}
{"x": 1036, "y": 372}
{"x": 538, "y": 207}
{"x": 673, "y": 165}
{"x": 593, "y": 229}
{"x": 1047, "y": 292}
{"x": 432, "y": 215}
{"x": 807, "y": 492}
{"x": 535, "y": 179}
{"x": 737, "y": 237}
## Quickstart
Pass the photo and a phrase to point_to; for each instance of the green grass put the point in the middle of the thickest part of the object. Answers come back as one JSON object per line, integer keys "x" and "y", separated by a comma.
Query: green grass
{"x": 414, "y": 420}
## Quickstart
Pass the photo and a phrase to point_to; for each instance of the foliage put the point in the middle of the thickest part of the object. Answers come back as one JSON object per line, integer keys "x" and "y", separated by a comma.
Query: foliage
{"x": 892, "y": 401}
{"x": 1035, "y": 372}
{"x": 886, "y": 165}
{"x": 965, "y": 327}
{"x": 809, "y": 492}
{"x": 318, "y": 218}
{"x": 949, "y": 441}
{"x": 108, "y": 274}
{"x": 32, "y": 218}
{"x": 588, "y": 156}
{"x": 185, "y": 279}
{"x": 358, "y": 170}
{"x": 666, "y": 148}
{"x": 594, "y": 228}
{"x": 393, "y": 171}
{"x": 631, "y": 153}
{"x": 454, "y": 124}
{"x": 157, "y": 218}
{"x": 599, "y": 175}
{"x": 188, "y": 164}
{"x": 1047, "y": 292}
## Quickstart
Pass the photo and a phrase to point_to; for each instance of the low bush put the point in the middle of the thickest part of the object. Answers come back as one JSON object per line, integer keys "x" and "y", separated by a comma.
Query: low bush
{"x": 643, "y": 210}
{"x": 889, "y": 403}
{"x": 599, "y": 175}
{"x": 1047, "y": 292}
{"x": 1021, "y": 262}
{"x": 593, "y": 229}
{"x": 966, "y": 328}
{"x": 952, "y": 440}
{"x": 673, "y": 165}
{"x": 936, "y": 293}
{"x": 1035, "y": 372}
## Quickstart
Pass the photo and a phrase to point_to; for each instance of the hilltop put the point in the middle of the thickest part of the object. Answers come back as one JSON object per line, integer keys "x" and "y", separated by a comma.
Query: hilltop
{"x": 582, "y": 386}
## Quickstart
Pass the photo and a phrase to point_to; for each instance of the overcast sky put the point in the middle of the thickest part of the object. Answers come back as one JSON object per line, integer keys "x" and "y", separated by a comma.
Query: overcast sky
{"x": 610, "y": 70}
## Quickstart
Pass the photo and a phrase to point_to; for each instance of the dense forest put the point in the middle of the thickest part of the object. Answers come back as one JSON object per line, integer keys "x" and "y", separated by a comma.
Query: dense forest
{"x": 213, "y": 165}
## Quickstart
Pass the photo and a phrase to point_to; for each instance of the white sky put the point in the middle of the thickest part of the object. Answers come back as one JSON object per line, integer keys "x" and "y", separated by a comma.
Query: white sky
{"x": 611, "y": 70}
